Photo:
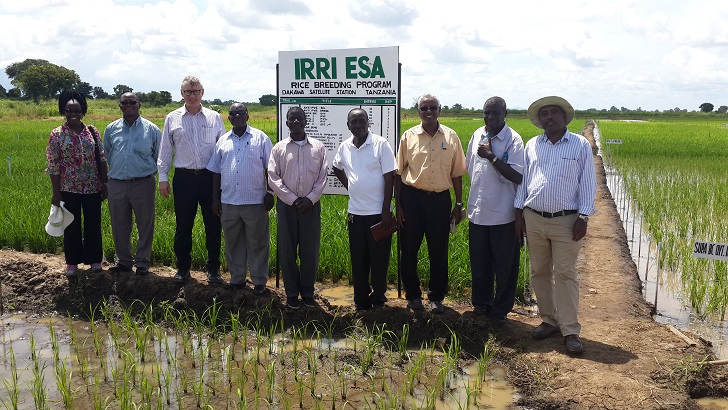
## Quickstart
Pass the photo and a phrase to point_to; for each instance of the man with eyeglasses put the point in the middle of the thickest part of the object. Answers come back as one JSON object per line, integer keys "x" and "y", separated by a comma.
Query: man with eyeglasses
{"x": 430, "y": 162}
{"x": 495, "y": 164}
{"x": 131, "y": 146}
{"x": 240, "y": 197}
{"x": 190, "y": 133}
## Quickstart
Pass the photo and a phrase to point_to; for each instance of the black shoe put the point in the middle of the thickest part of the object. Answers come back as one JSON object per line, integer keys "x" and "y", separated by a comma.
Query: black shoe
{"x": 260, "y": 290}
{"x": 378, "y": 306}
{"x": 293, "y": 303}
{"x": 360, "y": 308}
{"x": 415, "y": 304}
{"x": 182, "y": 276}
{"x": 544, "y": 330}
{"x": 142, "y": 270}
{"x": 238, "y": 286}
{"x": 213, "y": 276}
{"x": 309, "y": 302}
{"x": 481, "y": 310}
{"x": 436, "y": 306}
{"x": 119, "y": 268}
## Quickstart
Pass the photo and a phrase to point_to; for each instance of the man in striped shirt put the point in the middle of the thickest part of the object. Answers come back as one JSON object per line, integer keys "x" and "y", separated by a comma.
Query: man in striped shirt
{"x": 297, "y": 175}
{"x": 553, "y": 205}
{"x": 190, "y": 133}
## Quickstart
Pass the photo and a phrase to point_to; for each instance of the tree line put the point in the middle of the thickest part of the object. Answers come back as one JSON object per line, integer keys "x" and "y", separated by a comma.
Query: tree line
{"x": 36, "y": 80}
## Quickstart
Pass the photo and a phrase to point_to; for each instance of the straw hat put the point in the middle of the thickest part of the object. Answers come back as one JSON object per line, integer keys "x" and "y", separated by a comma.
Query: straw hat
{"x": 58, "y": 220}
{"x": 550, "y": 100}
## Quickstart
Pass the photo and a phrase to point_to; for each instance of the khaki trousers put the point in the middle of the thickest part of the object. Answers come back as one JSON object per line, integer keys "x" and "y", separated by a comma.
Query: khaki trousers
{"x": 553, "y": 254}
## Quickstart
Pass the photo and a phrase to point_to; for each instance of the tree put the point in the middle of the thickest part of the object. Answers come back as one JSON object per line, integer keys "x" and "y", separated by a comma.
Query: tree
{"x": 3, "y": 92}
{"x": 723, "y": 109}
{"x": 706, "y": 107}
{"x": 46, "y": 81}
{"x": 155, "y": 98}
{"x": 121, "y": 89}
{"x": 85, "y": 89}
{"x": 14, "y": 92}
{"x": 15, "y": 69}
{"x": 99, "y": 93}
{"x": 268, "y": 99}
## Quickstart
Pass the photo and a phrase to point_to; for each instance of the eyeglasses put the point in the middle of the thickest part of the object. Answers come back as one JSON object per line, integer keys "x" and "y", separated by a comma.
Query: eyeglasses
{"x": 72, "y": 112}
{"x": 237, "y": 112}
{"x": 430, "y": 108}
{"x": 190, "y": 92}
{"x": 128, "y": 102}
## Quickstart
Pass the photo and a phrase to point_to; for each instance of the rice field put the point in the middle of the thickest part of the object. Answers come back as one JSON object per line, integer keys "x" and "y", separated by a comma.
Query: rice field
{"x": 677, "y": 174}
{"x": 25, "y": 201}
{"x": 156, "y": 357}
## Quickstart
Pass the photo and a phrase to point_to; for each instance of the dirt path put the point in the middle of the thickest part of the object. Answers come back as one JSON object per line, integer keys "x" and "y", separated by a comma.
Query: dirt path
{"x": 631, "y": 362}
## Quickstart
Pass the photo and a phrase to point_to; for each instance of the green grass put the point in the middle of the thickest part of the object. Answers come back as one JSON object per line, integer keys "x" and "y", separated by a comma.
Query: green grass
{"x": 25, "y": 193}
{"x": 676, "y": 171}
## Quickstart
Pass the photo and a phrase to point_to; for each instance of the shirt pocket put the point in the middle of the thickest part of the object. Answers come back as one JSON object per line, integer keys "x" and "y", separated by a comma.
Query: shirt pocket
{"x": 314, "y": 164}
{"x": 143, "y": 147}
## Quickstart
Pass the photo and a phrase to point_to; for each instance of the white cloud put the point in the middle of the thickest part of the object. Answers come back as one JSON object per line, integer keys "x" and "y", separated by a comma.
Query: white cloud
{"x": 624, "y": 53}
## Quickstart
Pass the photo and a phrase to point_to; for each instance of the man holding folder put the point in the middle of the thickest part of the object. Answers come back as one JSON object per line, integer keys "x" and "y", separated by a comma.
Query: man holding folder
{"x": 364, "y": 163}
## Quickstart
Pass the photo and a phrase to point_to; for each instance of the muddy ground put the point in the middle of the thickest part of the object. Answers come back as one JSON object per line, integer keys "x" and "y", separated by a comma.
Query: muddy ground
{"x": 630, "y": 361}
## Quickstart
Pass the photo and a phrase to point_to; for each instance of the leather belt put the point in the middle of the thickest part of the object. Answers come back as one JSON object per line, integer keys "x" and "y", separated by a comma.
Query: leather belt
{"x": 555, "y": 214}
{"x": 131, "y": 179}
{"x": 192, "y": 171}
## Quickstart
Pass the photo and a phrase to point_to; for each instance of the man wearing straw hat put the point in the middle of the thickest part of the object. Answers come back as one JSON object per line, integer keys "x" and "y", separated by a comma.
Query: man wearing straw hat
{"x": 553, "y": 205}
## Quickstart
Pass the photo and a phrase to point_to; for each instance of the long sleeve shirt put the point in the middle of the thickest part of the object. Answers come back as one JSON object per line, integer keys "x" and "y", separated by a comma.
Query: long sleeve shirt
{"x": 296, "y": 171}
{"x": 559, "y": 176}
{"x": 132, "y": 150}
{"x": 190, "y": 137}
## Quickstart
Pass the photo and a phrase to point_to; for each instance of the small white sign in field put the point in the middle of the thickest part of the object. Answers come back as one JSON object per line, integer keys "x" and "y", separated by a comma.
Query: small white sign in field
{"x": 618, "y": 142}
{"x": 711, "y": 250}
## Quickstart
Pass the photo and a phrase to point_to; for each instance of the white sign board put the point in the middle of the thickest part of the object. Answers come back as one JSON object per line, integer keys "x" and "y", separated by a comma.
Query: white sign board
{"x": 328, "y": 84}
{"x": 619, "y": 142}
{"x": 711, "y": 250}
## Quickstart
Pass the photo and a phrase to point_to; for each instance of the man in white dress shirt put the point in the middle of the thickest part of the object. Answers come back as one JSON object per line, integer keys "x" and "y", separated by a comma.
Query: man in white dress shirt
{"x": 190, "y": 133}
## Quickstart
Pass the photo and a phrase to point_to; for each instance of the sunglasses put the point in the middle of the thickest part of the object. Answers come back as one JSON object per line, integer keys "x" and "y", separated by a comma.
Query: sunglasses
{"x": 129, "y": 102}
{"x": 190, "y": 92}
{"x": 237, "y": 112}
{"x": 430, "y": 108}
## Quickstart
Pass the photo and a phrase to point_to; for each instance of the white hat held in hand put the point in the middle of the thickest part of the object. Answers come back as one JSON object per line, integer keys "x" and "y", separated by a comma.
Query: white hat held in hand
{"x": 58, "y": 220}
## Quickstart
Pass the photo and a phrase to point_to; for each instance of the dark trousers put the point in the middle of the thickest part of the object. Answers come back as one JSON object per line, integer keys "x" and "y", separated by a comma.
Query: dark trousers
{"x": 189, "y": 191}
{"x": 299, "y": 237}
{"x": 426, "y": 215}
{"x": 494, "y": 256}
{"x": 368, "y": 258}
{"x": 83, "y": 245}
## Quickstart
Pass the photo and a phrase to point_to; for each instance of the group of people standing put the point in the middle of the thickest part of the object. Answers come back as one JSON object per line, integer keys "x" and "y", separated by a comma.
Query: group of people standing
{"x": 543, "y": 191}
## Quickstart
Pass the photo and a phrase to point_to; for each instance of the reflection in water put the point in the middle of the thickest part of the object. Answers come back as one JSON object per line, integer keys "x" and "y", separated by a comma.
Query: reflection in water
{"x": 130, "y": 364}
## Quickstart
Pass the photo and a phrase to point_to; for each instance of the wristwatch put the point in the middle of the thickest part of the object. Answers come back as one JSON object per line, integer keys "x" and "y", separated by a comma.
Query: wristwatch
{"x": 494, "y": 160}
{"x": 460, "y": 204}
{"x": 584, "y": 218}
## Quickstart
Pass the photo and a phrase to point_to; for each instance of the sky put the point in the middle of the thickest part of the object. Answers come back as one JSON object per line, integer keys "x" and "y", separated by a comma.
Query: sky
{"x": 649, "y": 54}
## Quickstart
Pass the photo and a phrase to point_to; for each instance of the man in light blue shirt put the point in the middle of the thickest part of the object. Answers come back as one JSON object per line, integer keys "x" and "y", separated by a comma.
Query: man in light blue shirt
{"x": 553, "y": 205}
{"x": 240, "y": 197}
{"x": 131, "y": 146}
{"x": 495, "y": 162}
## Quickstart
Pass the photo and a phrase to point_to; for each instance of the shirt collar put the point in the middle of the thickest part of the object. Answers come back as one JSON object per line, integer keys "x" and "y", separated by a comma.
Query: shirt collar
{"x": 421, "y": 130}
{"x": 368, "y": 141}
{"x": 247, "y": 131}
{"x": 564, "y": 138}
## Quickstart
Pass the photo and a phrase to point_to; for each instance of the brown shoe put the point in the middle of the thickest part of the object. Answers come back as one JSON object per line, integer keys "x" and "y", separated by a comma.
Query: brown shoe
{"x": 544, "y": 330}
{"x": 573, "y": 344}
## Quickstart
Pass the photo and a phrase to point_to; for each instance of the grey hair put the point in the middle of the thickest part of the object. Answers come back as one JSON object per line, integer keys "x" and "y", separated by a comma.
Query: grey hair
{"x": 428, "y": 97}
{"x": 192, "y": 80}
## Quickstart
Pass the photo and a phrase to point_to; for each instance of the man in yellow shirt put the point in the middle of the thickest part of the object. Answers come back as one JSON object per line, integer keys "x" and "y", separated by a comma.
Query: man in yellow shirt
{"x": 430, "y": 162}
